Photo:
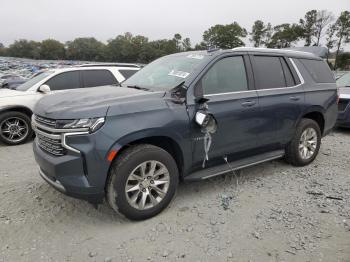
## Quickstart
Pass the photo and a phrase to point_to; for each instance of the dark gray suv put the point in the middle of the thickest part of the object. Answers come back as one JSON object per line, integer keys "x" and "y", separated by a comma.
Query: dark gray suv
{"x": 187, "y": 116}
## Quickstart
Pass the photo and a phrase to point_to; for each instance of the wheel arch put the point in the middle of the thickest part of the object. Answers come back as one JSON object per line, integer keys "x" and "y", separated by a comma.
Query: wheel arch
{"x": 166, "y": 142}
{"x": 22, "y": 109}
{"x": 316, "y": 114}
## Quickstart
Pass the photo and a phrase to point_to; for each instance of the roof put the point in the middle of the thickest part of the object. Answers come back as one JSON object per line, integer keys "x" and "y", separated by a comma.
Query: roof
{"x": 110, "y": 64}
{"x": 79, "y": 68}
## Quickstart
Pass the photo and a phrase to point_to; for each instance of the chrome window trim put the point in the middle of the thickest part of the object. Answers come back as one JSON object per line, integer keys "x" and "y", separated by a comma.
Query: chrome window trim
{"x": 229, "y": 93}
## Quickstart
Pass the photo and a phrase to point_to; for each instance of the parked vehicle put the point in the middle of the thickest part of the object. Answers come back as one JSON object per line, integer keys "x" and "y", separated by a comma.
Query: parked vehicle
{"x": 16, "y": 105}
{"x": 187, "y": 116}
{"x": 344, "y": 80}
{"x": 13, "y": 83}
{"x": 343, "y": 84}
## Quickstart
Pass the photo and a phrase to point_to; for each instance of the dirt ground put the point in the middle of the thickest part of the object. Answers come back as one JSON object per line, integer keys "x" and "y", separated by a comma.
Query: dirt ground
{"x": 276, "y": 213}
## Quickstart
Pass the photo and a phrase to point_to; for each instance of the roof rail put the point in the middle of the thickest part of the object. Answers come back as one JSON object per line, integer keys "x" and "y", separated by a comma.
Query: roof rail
{"x": 109, "y": 64}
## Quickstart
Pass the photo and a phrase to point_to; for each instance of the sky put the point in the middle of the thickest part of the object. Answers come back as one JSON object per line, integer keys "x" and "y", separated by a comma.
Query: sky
{"x": 104, "y": 19}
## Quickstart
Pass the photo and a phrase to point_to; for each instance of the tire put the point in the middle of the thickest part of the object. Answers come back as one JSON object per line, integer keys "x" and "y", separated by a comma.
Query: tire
{"x": 120, "y": 180}
{"x": 294, "y": 155}
{"x": 23, "y": 129}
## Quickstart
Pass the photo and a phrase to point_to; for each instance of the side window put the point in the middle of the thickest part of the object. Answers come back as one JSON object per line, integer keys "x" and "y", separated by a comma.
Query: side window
{"x": 268, "y": 72}
{"x": 67, "y": 80}
{"x": 127, "y": 73}
{"x": 319, "y": 70}
{"x": 287, "y": 73}
{"x": 227, "y": 75}
{"x": 94, "y": 78}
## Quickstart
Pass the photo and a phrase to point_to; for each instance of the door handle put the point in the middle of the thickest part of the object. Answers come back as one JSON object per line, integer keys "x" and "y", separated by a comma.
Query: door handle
{"x": 294, "y": 98}
{"x": 248, "y": 103}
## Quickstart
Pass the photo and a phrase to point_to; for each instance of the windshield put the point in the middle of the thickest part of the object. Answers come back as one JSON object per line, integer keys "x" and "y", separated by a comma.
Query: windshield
{"x": 167, "y": 72}
{"x": 344, "y": 80}
{"x": 25, "y": 86}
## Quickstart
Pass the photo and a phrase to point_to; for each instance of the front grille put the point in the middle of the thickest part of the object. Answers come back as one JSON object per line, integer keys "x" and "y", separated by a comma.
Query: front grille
{"x": 45, "y": 121}
{"x": 343, "y": 103}
{"x": 51, "y": 145}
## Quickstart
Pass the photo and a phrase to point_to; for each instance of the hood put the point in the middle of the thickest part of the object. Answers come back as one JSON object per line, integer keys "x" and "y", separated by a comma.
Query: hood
{"x": 89, "y": 102}
{"x": 4, "y": 92}
{"x": 344, "y": 92}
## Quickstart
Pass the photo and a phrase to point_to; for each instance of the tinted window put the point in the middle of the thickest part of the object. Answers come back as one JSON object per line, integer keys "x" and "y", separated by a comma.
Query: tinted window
{"x": 268, "y": 72}
{"x": 287, "y": 73}
{"x": 127, "y": 73}
{"x": 67, "y": 80}
{"x": 98, "y": 78}
{"x": 227, "y": 75}
{"x": 319, "y": 70}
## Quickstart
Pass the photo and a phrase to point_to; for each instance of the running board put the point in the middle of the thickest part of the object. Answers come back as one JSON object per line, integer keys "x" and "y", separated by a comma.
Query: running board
{"x": 235, "y": 165}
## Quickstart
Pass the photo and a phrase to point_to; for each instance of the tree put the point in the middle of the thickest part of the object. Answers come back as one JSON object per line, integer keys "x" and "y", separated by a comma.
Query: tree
{"x": 285, "y": 35}
{"x": 85, "y": 49}
{"x": 186, "y": 44}
{"x": 343, "y": 61}
{"x": 177, "y": 39}
{"x": 261, "y": 33}
{"x": 225, "y": 36}
{"x": 330, "y": 40}
{"x": 2, "y": 50}
{"x": 342, "y": 31}
{"x": 24, "y": 48}
{"x": 323, "y": 18}
{"x": 52, "y": 49}
{"x": 308, "y": 26}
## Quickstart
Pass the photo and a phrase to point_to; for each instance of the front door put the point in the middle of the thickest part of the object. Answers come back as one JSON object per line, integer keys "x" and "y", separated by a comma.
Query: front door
{"x": 234, "y": 106}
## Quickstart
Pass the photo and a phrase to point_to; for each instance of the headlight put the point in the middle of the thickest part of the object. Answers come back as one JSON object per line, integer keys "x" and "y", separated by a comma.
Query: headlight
{"x": 92, "y": 124}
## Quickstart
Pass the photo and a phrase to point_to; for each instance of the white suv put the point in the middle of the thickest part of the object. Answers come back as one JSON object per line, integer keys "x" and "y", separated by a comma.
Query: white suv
{"x": 16, "y": 105}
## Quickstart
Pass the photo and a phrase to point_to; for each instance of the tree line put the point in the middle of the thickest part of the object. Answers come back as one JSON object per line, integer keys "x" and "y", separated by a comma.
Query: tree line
{"x": 316, "y": 28}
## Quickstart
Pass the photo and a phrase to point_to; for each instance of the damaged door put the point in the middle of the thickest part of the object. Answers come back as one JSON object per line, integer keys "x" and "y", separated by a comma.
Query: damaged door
{"x": 234, "y": 105}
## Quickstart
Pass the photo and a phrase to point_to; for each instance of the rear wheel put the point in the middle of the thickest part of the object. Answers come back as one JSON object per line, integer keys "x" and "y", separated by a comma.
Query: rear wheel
{"x": 15, "y": 128}
{"x": 142, "y": 182}
{"x": 304, "y": 147}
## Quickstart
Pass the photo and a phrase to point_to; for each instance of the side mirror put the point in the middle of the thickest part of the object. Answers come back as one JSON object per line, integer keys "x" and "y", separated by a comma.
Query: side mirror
{"x": 206, "y": 121}
{"x": 44, "y": 89}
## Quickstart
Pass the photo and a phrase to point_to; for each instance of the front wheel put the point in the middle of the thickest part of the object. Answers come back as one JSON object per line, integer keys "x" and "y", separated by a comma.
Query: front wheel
{"x": 142, "y": 182}
{"x": 15, "y": 128}
{"x": 304, "y": 147}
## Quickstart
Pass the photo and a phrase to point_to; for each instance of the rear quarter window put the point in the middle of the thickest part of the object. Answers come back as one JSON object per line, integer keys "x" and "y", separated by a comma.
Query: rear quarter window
{"x": 319, "y": 70}
{"x": 127, "y": 73}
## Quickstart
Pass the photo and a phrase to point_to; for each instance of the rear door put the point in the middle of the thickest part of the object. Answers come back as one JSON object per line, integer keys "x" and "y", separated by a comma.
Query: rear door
{"x": 97, "y": 77}
{"x": 234, "y": 105}
{"x": 281, "y": 95}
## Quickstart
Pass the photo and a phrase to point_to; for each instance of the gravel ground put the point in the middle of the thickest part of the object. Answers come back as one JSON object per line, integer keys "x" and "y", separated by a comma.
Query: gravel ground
{"x": 275, "y": 212}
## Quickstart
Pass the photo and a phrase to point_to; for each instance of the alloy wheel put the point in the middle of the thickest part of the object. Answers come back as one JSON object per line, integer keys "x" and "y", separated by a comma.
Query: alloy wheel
{"x": 308, "y": 143}
{"x": 147, "y": 185}
{"x": 14, "y": 129}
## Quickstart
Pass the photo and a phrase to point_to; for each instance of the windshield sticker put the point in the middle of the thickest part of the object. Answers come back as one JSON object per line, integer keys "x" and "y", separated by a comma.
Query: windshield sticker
{"x": 180, "y": 74}
{"x": 195, "y": 56}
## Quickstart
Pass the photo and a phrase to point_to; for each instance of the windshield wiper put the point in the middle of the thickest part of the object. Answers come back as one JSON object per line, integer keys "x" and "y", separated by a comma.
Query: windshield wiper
{"x": 138, "y": 87}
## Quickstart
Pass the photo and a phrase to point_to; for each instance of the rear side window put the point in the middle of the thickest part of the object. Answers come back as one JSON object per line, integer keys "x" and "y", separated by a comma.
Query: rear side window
{"x": 67, "y": 80}
{"x": 127, "y": 73}
{"x": 319, "y": 70}
{"x": 94, "y": 78}
{"x": 227, "y": 75}
{"x": 268, "y": 72}
{"x": 287, "y": 73}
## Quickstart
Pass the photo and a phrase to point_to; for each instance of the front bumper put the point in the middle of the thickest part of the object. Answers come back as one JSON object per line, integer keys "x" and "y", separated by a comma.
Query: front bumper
{"x": 66, "y": 174}
{"x": 74, "y": 163}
